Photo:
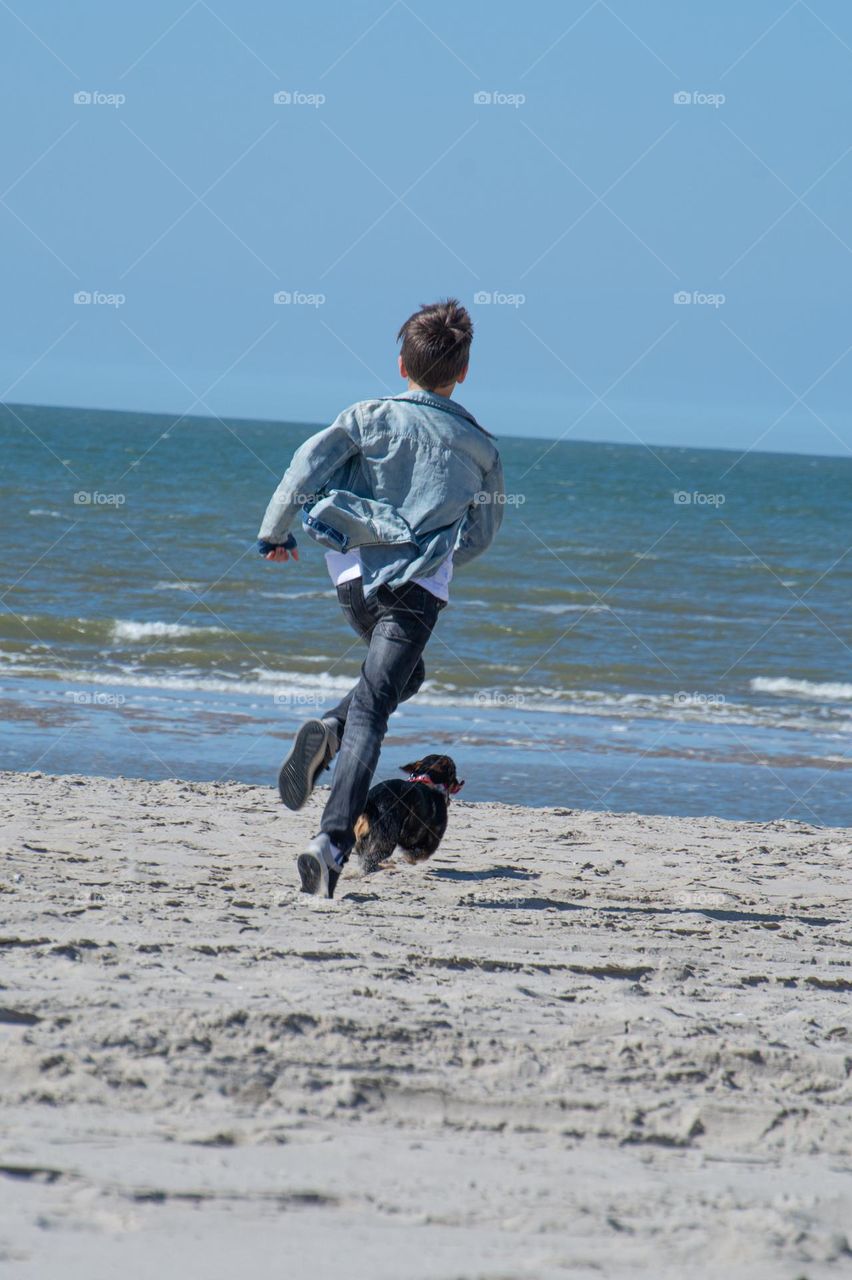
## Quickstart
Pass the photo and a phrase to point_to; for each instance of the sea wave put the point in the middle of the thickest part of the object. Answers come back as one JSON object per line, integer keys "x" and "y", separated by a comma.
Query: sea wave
{"x": 827, "y": 690}
{"x": 824, "y": 707}
{"x": 500, "y": 703}
{"x": 566, "y": 608}
{"x": 43, "y": 630}
{"x": 280, "y": 685}
{"x": 155, "y": 630}
{"x": 297, "y": 595}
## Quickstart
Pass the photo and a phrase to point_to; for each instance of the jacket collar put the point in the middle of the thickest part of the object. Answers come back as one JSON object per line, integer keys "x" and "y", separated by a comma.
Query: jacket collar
{"x": 432, "y": 399}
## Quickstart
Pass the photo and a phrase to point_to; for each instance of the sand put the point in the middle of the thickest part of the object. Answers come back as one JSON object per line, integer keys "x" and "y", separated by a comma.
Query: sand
{"x": 573, "y": 1044}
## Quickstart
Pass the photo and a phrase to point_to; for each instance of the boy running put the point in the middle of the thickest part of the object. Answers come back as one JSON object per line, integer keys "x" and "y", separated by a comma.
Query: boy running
{"x": 400, "y": 491}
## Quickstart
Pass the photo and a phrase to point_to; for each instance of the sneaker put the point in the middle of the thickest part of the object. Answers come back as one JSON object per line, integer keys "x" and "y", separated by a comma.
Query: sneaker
{"x": 313, "y": 750}
{"x": 319, "y": 867}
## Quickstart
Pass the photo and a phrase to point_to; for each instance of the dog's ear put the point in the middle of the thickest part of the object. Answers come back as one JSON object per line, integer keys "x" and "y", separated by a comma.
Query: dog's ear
{"x": 443, "y": 768}
{"x": 415, "y": 767}
{"x": 446, "y": 767}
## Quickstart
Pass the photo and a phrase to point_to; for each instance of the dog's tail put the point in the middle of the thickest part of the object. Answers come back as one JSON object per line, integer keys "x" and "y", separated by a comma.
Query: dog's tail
{"x": 362, "y": 827}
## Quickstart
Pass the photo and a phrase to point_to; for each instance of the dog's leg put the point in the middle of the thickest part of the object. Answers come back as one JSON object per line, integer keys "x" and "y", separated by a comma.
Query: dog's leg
{"x": 371, "y": 853}
{"x": 413, "y": 856}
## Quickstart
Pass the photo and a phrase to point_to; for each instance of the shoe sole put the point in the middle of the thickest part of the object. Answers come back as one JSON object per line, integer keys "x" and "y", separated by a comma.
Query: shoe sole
{"x": 311, "y": 870}
{"x": 298, "y": 773}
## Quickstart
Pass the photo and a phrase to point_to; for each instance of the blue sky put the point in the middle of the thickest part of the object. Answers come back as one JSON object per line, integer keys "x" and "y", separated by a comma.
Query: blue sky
{"x": 581, "y": 199}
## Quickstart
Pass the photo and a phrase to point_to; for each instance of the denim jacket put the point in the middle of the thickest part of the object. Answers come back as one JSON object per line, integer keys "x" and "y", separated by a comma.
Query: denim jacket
{"x": 406, "y": 479}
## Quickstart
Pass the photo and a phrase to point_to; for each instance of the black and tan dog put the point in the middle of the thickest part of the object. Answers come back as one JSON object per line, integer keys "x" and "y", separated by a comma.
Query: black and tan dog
{"x": 410, "y": 814}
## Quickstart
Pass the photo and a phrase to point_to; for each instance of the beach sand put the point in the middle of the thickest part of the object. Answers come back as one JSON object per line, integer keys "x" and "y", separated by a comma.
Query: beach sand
{"x": 573, "y": 1044}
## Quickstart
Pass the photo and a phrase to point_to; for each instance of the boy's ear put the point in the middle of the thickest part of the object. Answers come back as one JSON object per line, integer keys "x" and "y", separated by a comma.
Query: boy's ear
{"x": 461, "y": 376}
{"x": 415, "y": 767}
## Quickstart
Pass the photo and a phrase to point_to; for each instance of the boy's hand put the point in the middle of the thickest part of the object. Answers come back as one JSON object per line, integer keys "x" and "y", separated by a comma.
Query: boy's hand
{"x": 278, "y": 551}
{"x": 280, "y": 554}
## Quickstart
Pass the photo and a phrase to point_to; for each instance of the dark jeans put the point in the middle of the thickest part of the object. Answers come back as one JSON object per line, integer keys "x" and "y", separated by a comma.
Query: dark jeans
{"x": 396, "y": 623}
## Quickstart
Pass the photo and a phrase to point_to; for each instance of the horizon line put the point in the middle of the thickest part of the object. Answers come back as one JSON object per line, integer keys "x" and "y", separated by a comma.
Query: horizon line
{"x": 319, "y": 426}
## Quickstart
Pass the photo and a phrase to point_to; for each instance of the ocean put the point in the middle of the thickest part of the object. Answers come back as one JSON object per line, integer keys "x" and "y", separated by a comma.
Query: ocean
{"x": 659, "y": 630}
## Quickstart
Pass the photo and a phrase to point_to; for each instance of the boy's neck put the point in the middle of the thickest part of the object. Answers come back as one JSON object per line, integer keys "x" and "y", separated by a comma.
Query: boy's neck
{"x": 446, "y": 391}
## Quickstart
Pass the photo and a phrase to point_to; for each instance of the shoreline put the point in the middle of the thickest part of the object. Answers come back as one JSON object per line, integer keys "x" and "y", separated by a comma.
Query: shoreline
{"x": 629, "y": 762}
{"x": 572, "y": 1041}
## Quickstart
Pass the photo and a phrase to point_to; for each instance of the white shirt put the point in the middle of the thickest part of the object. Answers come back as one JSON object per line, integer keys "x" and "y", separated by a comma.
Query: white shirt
{"x": 343, "y": 566}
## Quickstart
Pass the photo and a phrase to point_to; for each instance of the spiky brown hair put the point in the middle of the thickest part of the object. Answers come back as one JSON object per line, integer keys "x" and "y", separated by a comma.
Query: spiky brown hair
{"x": 436, "y": 343}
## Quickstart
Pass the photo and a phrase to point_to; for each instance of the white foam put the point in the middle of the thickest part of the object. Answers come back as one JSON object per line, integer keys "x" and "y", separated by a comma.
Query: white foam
{"x": 829, "y": 690}
{"x": 304, "y": 688}
{"x": 274, "y": 684}
{"x": 566, "y": 608}
{"x": 41, "y": 511}
{"x": 296, "y": 595}
{"x": 155, "y": 630}
{"x": 179, "y": 586}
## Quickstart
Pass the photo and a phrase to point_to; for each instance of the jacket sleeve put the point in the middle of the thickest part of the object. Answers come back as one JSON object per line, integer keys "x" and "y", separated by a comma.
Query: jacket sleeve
{"x": 482, "y": 518}
{"x": 315, "y": 465}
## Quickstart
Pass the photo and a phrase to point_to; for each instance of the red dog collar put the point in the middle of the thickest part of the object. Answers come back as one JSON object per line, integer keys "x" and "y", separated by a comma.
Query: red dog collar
{"x": 440, "y": 786}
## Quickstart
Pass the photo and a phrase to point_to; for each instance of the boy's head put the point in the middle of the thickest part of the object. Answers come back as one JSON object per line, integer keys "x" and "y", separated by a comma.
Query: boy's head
{"x": 436, "y": 345}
